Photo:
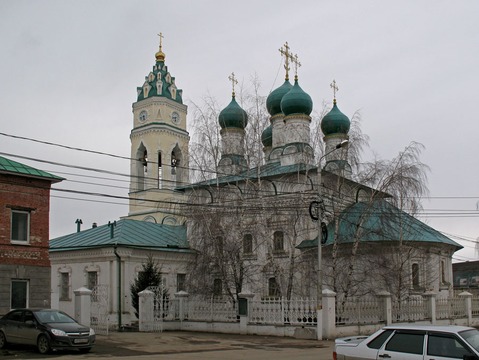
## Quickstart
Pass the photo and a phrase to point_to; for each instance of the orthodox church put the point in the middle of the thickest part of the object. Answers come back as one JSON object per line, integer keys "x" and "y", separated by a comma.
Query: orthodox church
{"x": 250, "y": 229}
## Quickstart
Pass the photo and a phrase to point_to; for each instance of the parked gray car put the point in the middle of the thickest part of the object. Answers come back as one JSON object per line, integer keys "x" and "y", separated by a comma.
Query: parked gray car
{"x": 46, "y": 329}
{"x": 411, "y": 342}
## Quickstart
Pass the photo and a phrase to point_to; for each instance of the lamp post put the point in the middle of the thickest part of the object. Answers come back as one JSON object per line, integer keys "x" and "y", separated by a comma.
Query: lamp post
{"x": 320, "y": 208}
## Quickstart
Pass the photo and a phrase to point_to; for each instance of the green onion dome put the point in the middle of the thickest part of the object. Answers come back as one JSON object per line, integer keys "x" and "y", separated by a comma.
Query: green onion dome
{"x": 296, "y": 101}
{"x": 233, "y": 116}
{"x": 273, "y": 102}
{"x": 267, "y": 137}
{"x": 335, "y": 122}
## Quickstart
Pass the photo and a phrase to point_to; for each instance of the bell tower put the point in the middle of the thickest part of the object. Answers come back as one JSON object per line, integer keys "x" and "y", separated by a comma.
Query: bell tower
{"x": 159, "y": 147}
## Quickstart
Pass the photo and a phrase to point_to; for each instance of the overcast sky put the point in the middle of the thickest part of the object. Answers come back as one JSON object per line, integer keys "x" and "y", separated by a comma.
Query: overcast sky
{"x": 69, "y": 72}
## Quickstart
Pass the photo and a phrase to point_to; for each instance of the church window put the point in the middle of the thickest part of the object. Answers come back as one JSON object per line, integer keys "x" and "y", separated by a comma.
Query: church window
{"x": 92, "y": 280}
{"x": 248, "y": 244}
{"x": 273, "y": 288}
{"x": 443, "y": 271}
{"x": 278, "y": 241}
{"x": 64, "y": 286}
{"x": 180, "y": 282}
{"x": 415, "y": 275}
{"x": 217, "y": 287}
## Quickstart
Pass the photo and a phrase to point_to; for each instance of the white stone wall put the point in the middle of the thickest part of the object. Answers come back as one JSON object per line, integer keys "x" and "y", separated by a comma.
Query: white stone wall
{"x": 79, "y": 262}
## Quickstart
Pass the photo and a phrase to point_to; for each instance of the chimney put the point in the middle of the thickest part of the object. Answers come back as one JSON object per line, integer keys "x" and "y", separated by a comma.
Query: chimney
{"x": 94, "y": 225}
{"x": 78, "y": 222}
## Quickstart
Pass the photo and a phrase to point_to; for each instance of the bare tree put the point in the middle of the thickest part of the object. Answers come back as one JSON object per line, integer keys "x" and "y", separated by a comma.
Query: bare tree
{"x": 396, "y": 188}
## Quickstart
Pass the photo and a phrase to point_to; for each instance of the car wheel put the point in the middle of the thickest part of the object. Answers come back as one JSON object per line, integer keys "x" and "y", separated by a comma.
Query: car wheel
{"x": 3, "y": 340}
{"x": 85, "y": 350}
{"x": 43, "y": 344}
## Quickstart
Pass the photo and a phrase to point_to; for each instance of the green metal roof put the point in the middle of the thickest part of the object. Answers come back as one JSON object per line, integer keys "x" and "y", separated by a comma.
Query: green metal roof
{"x": 381, "y": 221}
{"x": 16, "y": 168}
{"x": 126, "y": 233}
{"x": 263, "y": 172}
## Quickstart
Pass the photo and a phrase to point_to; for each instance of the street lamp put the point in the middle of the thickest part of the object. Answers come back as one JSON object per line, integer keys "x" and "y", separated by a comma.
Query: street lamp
{"x": 319, "y": 218}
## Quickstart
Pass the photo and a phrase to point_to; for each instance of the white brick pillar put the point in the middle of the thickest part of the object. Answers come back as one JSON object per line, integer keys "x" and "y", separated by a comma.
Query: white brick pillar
{"x": 145, "y": 309}
{"x": 387, "y": 307}
{"x": 329, "y": 314}
{"x": 467, "y": 296}
{"x": 431, "y": 298}
{"x": 83, "y": 305}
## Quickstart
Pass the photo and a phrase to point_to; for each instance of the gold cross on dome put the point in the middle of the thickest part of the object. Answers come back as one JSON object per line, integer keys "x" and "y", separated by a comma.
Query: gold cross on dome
{"x": 161, "y": 39}
{"x": 297, "y": 64}
{"x": 335, "y": 89}
{"x": 287, "y": 56}
{"x": 233, "y": 81}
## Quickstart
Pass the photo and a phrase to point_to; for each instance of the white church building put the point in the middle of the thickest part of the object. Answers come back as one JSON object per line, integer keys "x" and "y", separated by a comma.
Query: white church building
{"x": 249, "y": 229}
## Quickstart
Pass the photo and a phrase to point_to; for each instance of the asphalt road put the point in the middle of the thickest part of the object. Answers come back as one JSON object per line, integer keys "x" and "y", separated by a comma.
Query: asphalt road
{"x": 186, "y": 345}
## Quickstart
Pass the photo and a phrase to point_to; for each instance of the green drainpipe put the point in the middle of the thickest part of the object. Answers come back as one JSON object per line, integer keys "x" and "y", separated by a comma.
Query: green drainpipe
{"x": 118, "y": 258}
{"x": 112, "y": 226}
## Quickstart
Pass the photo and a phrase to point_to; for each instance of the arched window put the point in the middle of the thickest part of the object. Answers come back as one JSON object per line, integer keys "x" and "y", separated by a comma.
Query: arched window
{"x": 415, "y": 275}
{"x": 247, "y": 244}
{"x": 273, "y": 288}
{"x": 278, "y": 241}
{"x": 217, "y": 287}
{"x": 141, "y": 169}
{"x": 160, "y": 171}
{"x": 443, "y": 271}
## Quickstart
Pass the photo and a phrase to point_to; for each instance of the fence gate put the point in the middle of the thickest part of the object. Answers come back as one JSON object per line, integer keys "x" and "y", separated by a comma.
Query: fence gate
{"x": 99, "y": 309}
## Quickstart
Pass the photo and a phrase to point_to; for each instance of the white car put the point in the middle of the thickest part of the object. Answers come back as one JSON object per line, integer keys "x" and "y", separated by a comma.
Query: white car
{"x": 411, "y": 342}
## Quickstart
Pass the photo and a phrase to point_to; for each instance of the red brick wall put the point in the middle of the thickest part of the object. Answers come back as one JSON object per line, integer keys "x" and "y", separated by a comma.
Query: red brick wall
{"x": 24, "y": 193}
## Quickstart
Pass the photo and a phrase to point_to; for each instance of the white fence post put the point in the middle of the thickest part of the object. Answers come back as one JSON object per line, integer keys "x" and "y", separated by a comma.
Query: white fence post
{"x": 467, "y": 296}
{"x": 182, "y": 297}
{"x": 329, "y": 314}
{"x": 431, "y": 298}
{"x": 387, "y": 305}
{"x": 83, "y": 305}
{"x": 145, "y": 309}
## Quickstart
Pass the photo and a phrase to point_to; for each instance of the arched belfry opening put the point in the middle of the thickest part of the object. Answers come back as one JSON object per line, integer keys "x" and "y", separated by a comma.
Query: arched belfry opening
{"x": 141, "y": 167}
{"x": 160, "y": 171}
{"x": 176, "y": 161}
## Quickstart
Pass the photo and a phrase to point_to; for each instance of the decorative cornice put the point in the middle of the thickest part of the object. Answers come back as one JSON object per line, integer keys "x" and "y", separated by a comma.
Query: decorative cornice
{"x": 156, "y": 100}
{"x": 297, "y": 117}
{"x": 159, "y": 127}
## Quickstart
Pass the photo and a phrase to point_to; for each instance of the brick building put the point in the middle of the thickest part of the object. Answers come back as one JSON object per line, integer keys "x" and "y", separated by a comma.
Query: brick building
{"x": 24, "y": 234}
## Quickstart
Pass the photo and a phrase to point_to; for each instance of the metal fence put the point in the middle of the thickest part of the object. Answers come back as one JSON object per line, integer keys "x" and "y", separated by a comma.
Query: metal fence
{"x": 302, "y": 312}
{"x": 366, "y": 310}
{"x": 211, "y": 309}
{"x": 283, "y": 311}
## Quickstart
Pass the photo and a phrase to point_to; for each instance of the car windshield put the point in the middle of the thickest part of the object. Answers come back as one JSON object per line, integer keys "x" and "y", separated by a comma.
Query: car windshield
{"x": 53, "y": 317}
{"x": 472, "y": 337}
